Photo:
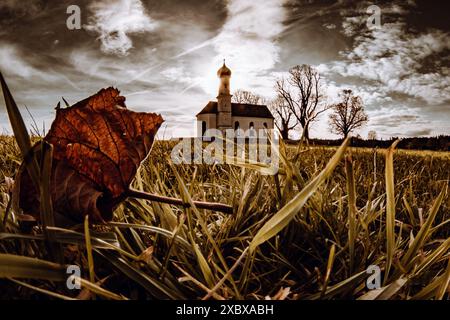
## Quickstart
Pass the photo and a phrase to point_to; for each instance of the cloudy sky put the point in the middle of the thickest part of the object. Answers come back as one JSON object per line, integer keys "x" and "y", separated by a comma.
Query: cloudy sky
{"x": 163, "y": 56}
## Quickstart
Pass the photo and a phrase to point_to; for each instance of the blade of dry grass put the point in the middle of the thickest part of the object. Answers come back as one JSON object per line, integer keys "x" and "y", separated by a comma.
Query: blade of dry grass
{"x": 329, "y": 268}
{"x": 443, "y": 288}
{"x": 352, "y": 219}
{"x": 20, "y": 131}
{"x": 411, "y": 254}
{"x": 46, "y": 208}
{"x": 430, "y": 290}
{"x": 390, "y": 209}
{"x": 87, "y": 236}
{"x": 386, "y": 292}
{"x": 95, "y": 288}
{"x": 15, "y": 266}
{"x": 44, "y": 291}
{"x": 343, "y": 286}
{"x": 228, "y": 274}
{"x": 156, "y": 288}
{"x": 282, "y": 218}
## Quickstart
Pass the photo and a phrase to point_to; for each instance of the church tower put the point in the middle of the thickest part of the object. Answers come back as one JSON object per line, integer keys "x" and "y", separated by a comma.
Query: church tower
{"x": 224, "y": 99}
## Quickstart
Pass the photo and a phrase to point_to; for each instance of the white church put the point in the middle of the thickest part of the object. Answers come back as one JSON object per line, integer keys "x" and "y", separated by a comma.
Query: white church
{"x": 224, "y": 114}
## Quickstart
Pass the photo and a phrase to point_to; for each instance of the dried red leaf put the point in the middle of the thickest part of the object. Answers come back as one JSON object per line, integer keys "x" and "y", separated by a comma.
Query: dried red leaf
{"x": 98, "y": 146}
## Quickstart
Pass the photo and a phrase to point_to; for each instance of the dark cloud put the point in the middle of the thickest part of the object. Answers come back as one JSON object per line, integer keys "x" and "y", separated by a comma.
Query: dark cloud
{"x": 395, "y": 120}
{"x": 428, "y": 14}
{"x": 414, "y": 133}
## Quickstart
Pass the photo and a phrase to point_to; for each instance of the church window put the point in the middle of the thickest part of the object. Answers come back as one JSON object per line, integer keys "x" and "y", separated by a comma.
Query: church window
{"x": 203, "y": 127}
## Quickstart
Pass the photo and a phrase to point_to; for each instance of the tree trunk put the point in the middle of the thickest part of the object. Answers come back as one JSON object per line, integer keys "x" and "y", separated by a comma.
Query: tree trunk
{"x": 305, "y": 129}
{"x": 285, "y": 131}
{"x": 306, "y": 132}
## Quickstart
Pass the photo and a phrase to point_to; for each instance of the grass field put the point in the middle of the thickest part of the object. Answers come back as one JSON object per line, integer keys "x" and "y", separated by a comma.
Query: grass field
{"x": 310, "y": 232}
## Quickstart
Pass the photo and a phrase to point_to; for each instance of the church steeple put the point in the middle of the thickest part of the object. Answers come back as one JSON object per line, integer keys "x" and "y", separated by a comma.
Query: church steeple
{"x": 224, "y": 73}
{"x": 224, "y": 98}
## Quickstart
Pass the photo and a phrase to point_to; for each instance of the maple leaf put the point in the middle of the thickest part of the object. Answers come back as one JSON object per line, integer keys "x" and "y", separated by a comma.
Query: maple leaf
{"x": 98, "y": 145}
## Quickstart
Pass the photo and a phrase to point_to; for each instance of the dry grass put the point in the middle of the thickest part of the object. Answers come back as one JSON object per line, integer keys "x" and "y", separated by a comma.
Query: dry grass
{"x": 308, "y": 238}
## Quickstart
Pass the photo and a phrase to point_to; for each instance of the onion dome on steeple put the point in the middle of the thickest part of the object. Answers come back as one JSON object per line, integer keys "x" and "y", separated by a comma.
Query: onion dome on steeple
{"x": 224, "y": 71}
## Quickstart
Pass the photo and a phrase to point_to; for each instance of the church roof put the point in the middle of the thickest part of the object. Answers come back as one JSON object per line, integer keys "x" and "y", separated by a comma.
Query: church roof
{"x": 240, "y": 110}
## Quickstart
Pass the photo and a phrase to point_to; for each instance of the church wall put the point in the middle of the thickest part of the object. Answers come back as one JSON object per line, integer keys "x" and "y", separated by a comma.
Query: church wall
{"x": 210, "y": 122}
{"x": 244, "y": 122}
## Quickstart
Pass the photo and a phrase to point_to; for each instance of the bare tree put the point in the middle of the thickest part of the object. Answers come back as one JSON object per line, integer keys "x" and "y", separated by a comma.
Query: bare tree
{"x": 284, "y": 120}
{"x": 372, "y": 135}
{"x": 243, "y": 96}
{"x": 348, "y": 115}
{"x": 303, "y": 93}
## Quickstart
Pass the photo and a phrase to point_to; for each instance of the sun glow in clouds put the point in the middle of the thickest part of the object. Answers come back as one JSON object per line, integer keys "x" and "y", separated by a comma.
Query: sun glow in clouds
{"x": 248, "y": 42}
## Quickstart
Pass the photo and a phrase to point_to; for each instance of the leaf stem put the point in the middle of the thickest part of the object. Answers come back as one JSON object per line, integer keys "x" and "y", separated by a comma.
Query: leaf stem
{"x": 199, "y": 204}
